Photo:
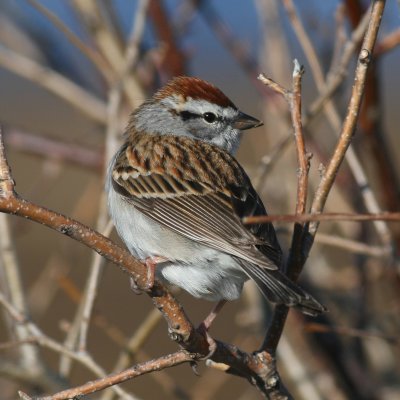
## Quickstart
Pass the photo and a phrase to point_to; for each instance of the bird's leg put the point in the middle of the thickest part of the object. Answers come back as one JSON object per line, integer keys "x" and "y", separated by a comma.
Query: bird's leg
{"x": 206, "y": 324}
{"x": 151, "y": 264}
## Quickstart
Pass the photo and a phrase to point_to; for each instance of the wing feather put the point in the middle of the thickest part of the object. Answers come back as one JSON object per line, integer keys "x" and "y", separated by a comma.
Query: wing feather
{"x": 196, "y": 203}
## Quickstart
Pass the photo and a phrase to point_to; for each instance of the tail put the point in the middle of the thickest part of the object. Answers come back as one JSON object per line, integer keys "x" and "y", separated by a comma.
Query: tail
{"x": 278, "y": 288}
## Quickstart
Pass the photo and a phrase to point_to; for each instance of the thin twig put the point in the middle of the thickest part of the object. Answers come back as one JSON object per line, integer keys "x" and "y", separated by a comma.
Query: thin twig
{"x": 276, "y": 87}
{"x": 80, "y": 325}
{"x": 88, "y": 104}
{"x": 388, "y": 43}
{"x": 296, "y": 258}
{"x": 341, "y": 330}
{"x": 90, "y": 293}
{"x": 302, "y": 158}
{"x": 352, "y": 246}
{"x": 336, "y": 76}
{"x": 11, "y": 284}
{"x": 15, "y": 343}
{"x": 140, "y": 336}
{"x": 304, "y": 40}
{"x": 340, "y": 37}
{"x": 45, "y": 341}
{"x": 55, "y": 149}
{"x": 110, "y": 47}
{"x": 156, "y": 364}
{"x": 102, "y": 66}
{"x": 263, "y": 219}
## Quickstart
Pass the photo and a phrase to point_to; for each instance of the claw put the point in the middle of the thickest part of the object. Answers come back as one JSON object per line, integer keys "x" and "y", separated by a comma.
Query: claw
{"x": 134, "y": 287}
{"x": 212, "y": 344}
{"x": 195, "y": 369}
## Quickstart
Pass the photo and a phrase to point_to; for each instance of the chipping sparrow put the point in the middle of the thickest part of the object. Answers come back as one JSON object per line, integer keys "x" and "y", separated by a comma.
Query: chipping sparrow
{"x": 177, "y": 196}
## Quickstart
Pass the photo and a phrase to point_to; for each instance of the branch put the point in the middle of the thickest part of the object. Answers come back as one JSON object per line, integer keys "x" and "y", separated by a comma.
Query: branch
{"x": 88, "y": 104}
{"x": 263, "y": 219}
{"x": 336, "y": 77}
{"x": 55, "y": 149}
{"x": 388, "y": 43}
{"x": 109, "y": 46}
{"x": 302, "y": 157}
{"x": 90, "y": 387}
{"x": 96, "y": 58}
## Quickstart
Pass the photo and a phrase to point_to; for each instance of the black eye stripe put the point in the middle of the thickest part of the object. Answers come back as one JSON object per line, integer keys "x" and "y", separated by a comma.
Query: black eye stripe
{"x": 185, "y": 115}
{"x": 207, "y": 116}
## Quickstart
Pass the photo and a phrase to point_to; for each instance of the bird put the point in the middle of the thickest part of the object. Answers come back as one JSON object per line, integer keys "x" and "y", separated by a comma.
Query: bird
{"x": 177, "y": 197}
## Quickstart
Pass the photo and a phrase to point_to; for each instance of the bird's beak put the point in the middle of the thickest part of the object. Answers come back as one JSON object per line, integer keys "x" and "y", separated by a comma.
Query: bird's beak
{"x": 244, "y": 121}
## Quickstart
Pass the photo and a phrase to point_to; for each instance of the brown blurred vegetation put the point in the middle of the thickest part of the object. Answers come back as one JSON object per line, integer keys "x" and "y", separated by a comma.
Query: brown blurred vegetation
{"x": 65, "y": 100}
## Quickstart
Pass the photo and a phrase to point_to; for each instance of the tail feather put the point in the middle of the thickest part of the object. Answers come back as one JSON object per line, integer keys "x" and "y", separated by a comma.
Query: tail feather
{"x": 278, "y": 288}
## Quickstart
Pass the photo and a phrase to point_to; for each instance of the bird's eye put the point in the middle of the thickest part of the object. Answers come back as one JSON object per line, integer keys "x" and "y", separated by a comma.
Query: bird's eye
{"x": 209, "y": 117}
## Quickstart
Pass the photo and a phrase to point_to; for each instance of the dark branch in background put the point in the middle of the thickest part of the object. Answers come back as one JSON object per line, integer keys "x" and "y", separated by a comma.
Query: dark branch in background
{"x": 56, "y": 150}
{"x": 388, "y": 43}
{"x": 174, "y": 61}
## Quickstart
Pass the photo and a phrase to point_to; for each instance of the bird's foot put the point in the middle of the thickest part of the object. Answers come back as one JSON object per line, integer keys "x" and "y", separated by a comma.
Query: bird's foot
{"x": 212, "y": 344}
{"x": 151, "y": 264}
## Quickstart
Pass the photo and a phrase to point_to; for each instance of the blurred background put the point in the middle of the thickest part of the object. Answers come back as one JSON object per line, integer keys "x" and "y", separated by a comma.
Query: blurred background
{"x": 70, "y": 74}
